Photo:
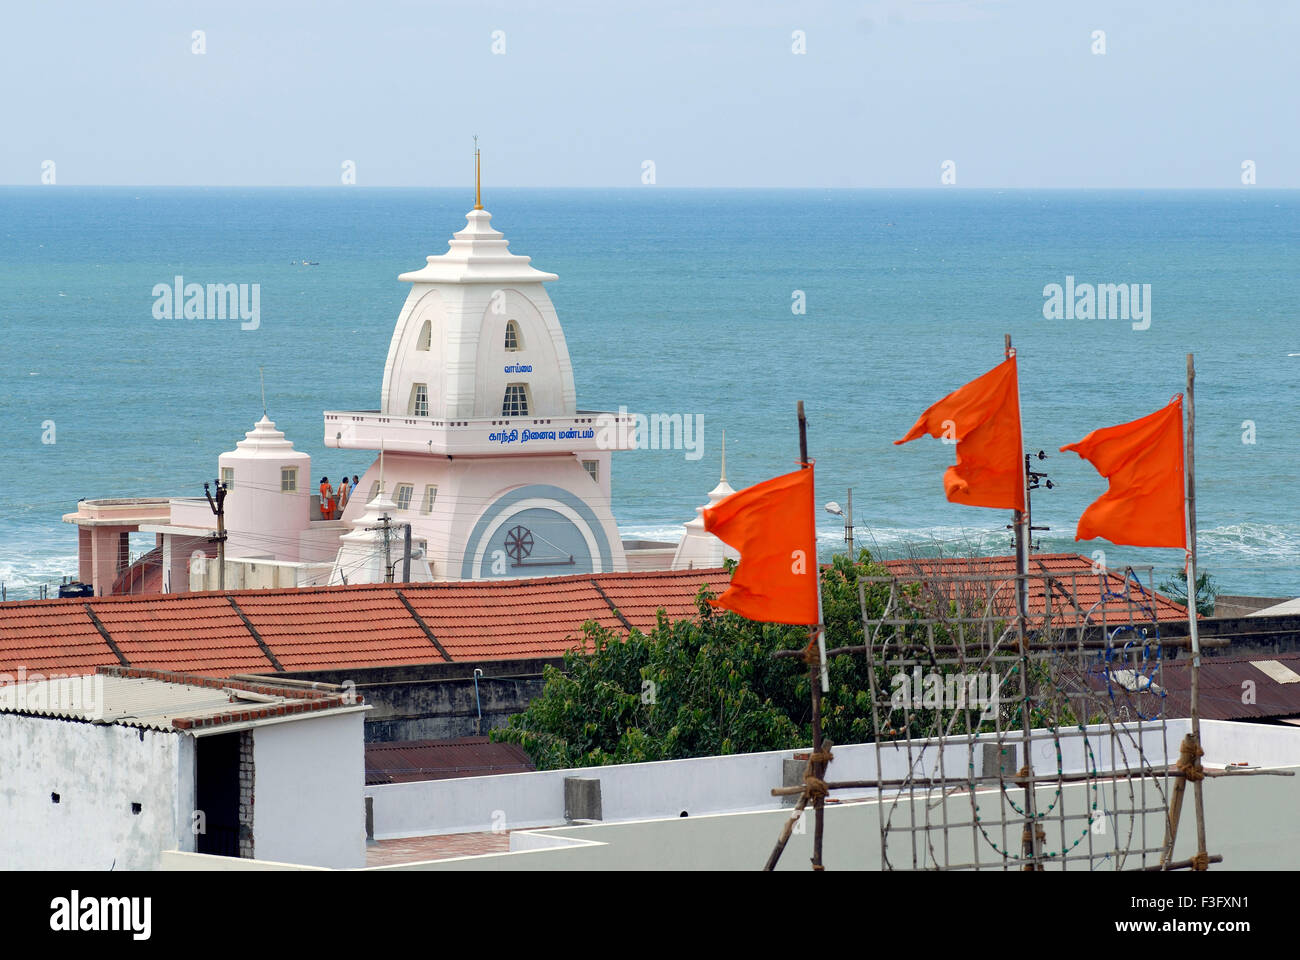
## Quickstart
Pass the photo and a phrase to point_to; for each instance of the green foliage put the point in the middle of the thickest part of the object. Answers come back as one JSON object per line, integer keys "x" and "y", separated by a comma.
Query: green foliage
{"x": 1207, "y": 591}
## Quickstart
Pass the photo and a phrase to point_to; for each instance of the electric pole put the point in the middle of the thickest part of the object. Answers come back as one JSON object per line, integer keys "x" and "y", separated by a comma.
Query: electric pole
{"x": 1032, "y": 481}
{"x": 387, "y": 527}
{"x": 406, "y": 555}
{"x": 388, "y": 548}
{"x": 219, "y": 508}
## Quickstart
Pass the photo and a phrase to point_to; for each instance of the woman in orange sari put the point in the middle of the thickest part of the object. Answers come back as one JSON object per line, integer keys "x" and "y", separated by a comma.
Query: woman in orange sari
{"x": 326, "y": 499}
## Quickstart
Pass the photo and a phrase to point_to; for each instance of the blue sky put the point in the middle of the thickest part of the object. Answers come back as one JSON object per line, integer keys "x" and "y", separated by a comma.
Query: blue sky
{"x": 712, "y": 93}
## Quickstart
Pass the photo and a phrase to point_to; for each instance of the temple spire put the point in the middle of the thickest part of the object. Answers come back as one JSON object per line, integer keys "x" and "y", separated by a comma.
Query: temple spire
{"x": 478, "y": 182}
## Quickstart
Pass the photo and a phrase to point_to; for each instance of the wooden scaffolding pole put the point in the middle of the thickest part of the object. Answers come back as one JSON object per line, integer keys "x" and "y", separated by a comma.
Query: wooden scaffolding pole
{"x": 814, "y": 784}
{"x": 1190, "y": 751}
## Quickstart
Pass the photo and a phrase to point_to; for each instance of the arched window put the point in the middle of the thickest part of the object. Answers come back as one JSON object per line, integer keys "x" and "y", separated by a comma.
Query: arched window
{"x": 515, "y": 403}
{"x": 420, "y": 400}
{"x": 513, "y": 340}
{"x": 425, "y": 340}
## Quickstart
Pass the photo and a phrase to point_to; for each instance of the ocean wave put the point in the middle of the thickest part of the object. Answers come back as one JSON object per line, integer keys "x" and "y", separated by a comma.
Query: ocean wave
{"x": 24, "y": 574}
{"x": 1248, "y": 558}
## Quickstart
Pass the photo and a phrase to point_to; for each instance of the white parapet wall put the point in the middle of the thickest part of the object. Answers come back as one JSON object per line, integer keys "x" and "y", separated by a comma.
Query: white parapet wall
{"x": 1250, "y": 822}
{"x": 711, "y": 785}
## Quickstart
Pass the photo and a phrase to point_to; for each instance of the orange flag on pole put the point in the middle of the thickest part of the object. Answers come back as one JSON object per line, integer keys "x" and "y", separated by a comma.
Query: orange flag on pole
{"x": 1143, "y": 460}
{"x": 983, "y": 417}
{"x": 771, "y": 524}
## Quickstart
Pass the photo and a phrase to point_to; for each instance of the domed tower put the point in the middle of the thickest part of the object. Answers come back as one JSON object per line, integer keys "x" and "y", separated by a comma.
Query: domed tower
{"x": 486, "y": 454}
{"x": 269, "y": 485}
{"x": 699, "y": 549}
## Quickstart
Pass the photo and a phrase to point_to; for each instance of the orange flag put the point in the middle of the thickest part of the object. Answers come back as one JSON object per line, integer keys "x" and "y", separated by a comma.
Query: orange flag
{"x": 1143, "y": 460}
{"x": 984, "y": 418}
{"x": 771, "y": 524}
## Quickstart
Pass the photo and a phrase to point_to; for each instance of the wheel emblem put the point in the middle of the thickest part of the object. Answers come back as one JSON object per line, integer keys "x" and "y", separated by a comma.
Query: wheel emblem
{"x": 519, "y": 543}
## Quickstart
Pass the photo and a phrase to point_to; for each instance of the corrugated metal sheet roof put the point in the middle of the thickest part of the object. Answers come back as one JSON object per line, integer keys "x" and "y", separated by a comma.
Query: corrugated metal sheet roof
{"x": 158, "y": 701}
{"x": 1231, "y": 688}
{"x": 409, "y": 760}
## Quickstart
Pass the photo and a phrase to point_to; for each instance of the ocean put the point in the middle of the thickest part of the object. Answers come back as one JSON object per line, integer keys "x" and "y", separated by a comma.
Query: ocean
{"x": 672, "y": 301}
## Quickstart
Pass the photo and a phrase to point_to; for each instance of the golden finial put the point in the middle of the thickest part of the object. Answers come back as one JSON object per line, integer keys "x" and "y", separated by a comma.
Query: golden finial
{"x": 478, "y": 183}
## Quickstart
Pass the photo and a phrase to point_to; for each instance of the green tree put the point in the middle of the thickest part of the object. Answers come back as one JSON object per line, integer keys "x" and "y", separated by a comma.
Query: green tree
{"x": 1207, "y": 591}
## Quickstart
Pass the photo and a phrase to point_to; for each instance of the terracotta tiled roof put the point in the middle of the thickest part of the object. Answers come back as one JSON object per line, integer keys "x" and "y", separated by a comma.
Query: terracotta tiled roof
{"x": 537, "y": 618}
{"x": 202, "y": 634}
{"x": 317, "y": 628}
{"x": 1075, "y": 587}
{"x": 364, "y": 625}
{"x": 51, "y": 635}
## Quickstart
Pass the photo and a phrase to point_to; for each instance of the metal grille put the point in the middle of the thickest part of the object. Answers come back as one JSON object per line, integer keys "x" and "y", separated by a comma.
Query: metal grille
{"x": 1017, "y": 741}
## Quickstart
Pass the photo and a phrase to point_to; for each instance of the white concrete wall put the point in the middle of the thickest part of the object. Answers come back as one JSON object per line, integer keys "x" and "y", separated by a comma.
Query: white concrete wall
{"x": 244, "y": 573}
{"x": 1250, "y": 821}
{"x": 98, "y": 772}
{"x": 709, "y": 785}
{"x": 308, "y": 779}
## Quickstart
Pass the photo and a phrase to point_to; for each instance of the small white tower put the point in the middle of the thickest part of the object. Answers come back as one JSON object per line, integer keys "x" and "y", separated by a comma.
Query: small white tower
{"x": 363, "y": 556}
{"x": 700, "y": 549}
{"x": 270, "y": 491}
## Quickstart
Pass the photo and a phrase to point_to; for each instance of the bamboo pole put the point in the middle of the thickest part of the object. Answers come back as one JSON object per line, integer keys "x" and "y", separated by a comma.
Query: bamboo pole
{"x": 818, "y": 682}
{"x": 1184, "y": 864}
{"x": 1189, "y": 472}
{"x": 790, "y": 821}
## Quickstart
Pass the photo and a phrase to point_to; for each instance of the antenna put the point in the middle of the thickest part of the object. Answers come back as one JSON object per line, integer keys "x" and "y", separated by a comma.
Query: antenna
{"x": 381, "y": 466}
{"x": 262, "y": 376}
{"x": 723, "y": 479}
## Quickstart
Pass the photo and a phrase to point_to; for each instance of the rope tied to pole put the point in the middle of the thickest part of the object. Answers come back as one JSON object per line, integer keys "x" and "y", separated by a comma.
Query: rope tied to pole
{"x": 1189, "y": 763}
{"x": 1201, "y": 861}
{"x": 815, "y": 788}
{"x": 810, "y": 654}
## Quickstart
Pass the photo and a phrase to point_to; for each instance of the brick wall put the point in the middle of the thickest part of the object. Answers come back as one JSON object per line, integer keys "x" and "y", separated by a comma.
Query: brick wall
{"x": 246, "y": 783}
